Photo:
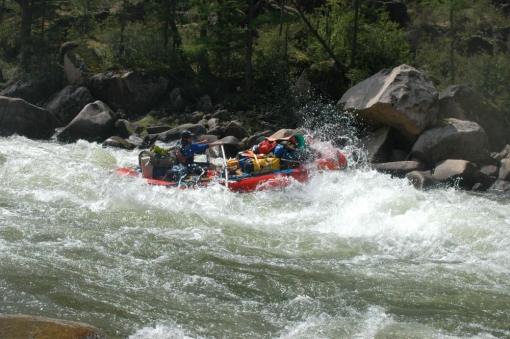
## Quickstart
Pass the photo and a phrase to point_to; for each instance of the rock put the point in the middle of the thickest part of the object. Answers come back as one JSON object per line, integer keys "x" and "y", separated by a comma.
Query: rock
{"x": 505, "y": 153}
{"x": 455, "y": 171}
{"x": 453, "y": 139}
{"x": 285, "y": 132}
{"x": 403, "y": 98}
{"x": 462, "y": 103}
{"x": 80, "y": 61}
{"x": 125, "y": 128}
{"x": 32, "y": 91}
{"x": 196, "y": 117}
{"x": 156, "y": 129}
{"x": 422, "y": 180}
{"x": 398, "y": 155}
{"x": 24, "y": 327}
{"x": 398, "y": 168}
{"x": 504, "y": 170}
{"x": 377, "y": 145}
{"x": 118, "y": 142}
{"x": 486, "y": 175}
{"x": 20, "y": 117}
{"x": 500, "y": 186}
{"x": 254, "y": 139}
{"x": 94, "y": 123}
{"x": 236, "y": 129}
{"x": 67, "y": 103}
{"x": 175, "y": 133}
{"x": 135, "y": 92}
{"x": 232, "y": 146}
{"x": 222, "y": 115}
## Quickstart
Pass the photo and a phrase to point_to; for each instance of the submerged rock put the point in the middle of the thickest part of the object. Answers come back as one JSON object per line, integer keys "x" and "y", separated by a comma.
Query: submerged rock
{"x": 24, "y": 327}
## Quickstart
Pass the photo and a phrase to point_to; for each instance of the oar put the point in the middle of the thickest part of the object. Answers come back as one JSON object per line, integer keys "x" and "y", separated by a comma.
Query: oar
{"x": 225, "y": 164}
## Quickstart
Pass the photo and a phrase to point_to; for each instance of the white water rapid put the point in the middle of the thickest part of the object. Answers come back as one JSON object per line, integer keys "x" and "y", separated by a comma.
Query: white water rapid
{"x": 351, "y": 254}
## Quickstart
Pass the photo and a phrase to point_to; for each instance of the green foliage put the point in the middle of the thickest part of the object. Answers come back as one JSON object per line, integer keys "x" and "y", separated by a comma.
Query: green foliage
{"x": 490, "y": 77}
{"x": 209, "y": 38}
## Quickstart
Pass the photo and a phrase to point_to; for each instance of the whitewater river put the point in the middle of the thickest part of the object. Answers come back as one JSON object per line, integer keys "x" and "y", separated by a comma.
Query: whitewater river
{"x": 352, "y": 254}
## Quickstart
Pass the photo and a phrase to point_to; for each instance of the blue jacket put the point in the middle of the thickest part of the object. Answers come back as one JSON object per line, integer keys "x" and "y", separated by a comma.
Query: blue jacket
{"x": 188, "y": 150}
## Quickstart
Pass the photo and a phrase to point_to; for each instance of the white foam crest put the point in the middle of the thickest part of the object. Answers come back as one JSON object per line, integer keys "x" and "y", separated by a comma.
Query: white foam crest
{"x": 163, "y": 330}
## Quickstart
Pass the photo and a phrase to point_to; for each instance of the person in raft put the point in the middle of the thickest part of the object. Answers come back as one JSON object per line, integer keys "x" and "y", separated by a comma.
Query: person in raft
{"x": 187, "y": 151}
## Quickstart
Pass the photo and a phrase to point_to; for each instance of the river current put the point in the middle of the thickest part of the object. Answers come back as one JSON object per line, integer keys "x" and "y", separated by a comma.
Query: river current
{"x": 351, "y": 254}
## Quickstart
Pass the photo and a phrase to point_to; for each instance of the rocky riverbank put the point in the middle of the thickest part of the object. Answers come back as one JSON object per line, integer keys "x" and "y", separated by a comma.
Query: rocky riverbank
{"x": 405, "y": 126}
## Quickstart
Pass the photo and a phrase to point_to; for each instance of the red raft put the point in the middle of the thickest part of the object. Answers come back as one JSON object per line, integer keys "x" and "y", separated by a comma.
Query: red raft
{"x": 249, "y": 183}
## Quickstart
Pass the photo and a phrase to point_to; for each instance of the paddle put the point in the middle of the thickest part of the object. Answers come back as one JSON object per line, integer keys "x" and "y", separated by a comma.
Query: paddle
{"x": 225, "y": 165}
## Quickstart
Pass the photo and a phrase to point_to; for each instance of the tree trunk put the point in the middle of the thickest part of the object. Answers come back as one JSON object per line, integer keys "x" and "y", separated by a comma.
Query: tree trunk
{"x": 2, "y": 9}
{"x": 41, "y": 47}
{"x": 354, "y": 34}
{"x": 249, "y": 48}
{"x": 282, "y": 12}
{"x": 452, "y": 44}
{"x": 26, "y": 30}
{"x": 123, "y": 26}
{"x": 324, "y": 45}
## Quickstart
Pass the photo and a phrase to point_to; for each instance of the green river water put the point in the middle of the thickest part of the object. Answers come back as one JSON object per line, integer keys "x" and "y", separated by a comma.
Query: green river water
{"x": 352, "y": 254}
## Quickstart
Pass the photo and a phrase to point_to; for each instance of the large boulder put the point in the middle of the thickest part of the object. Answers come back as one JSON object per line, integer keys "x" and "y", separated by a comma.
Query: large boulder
{"x": 235, "y": 129}
{"x": 19, "y": 117}
{"x": 453, "y": 139}
{"x": 377, "y": 145}
{"x": 94, "y": 123}
{"x": 30, "y": 91}
{"x": 398, "y": 169}
{"x": 462, "y": 103}
{"x": 422, "y": 180}
{"x": 455, "y": 171}
{"x": 133, "y": 92}
{"x": 175, "y": 133}
{"x": 403, "y": 98}
{"x": 80, "y": 61}
{"x": 24, "y": 326}
{"x": 67, "y": 103}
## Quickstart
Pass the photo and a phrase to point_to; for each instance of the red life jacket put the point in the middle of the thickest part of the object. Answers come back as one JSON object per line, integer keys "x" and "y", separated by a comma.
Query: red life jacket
{"x": 267, "y": 146}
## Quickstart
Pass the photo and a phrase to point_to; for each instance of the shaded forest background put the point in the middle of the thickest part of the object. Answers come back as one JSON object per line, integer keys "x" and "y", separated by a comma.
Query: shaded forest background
{"x": 247, "y": 54}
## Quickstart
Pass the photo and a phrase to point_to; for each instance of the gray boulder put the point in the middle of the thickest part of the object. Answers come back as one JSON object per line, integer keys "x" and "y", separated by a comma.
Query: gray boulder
{"x": 125, "y": 128}
{"x": 94, "y": 123}
{"x": 32, "y": 91}
{"x": 403, "y": 98}
{"x": 462, "y": 103}
{"x": 134, "y": 92}
{"x": 453, "y": 139}
{"x": 423, "y": 180}
{"x": 486, "y": 175}
{"x": 504, "y": 170}
{"x": 19, "y": 117}
{"x": 175, "y": 133}
{"x": 118, "y": 142}
{"x": 500, "y": 186}
{"x": 232, "y": 146}
{"x": 398, "y": 169}
{"x": 455, "y": 171}
{"x": 255, "y": 138}
{"x": 67, "y": 103}
{"x": 235, "y": 129}
{"x": 377, "y": 145}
